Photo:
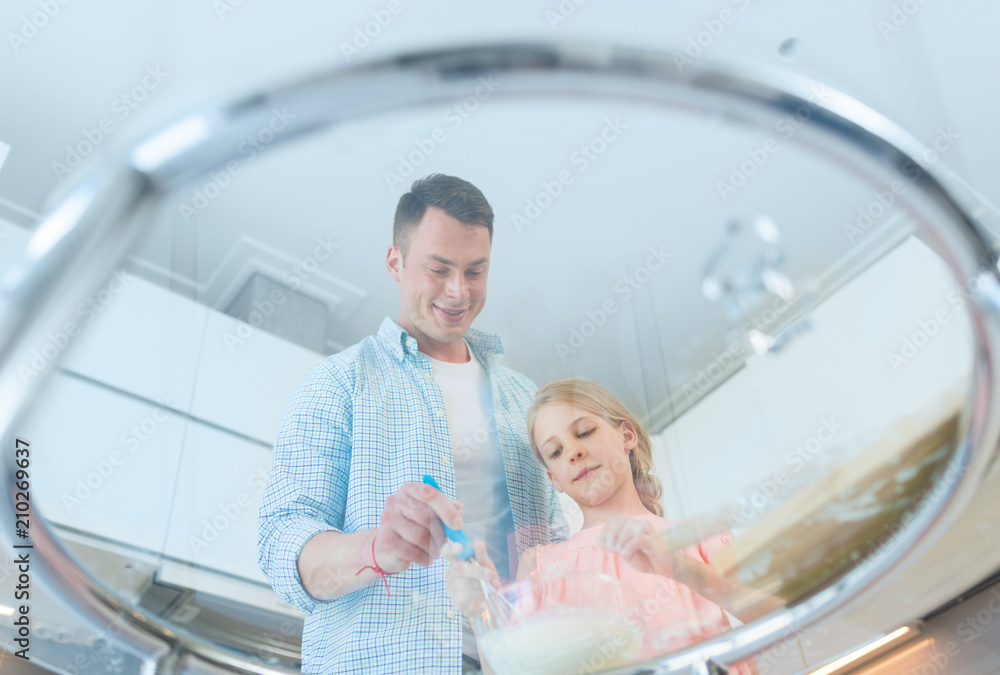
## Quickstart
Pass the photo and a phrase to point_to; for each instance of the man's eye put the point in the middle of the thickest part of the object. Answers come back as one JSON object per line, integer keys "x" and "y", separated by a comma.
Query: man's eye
{"x": 440, "y": 271}
{"x": 475, "y": 273}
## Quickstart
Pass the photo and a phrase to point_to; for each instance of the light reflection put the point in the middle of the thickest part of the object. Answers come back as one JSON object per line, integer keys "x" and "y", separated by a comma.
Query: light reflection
{"x": 176, "y": 140}
{"x": 855, "y": 655}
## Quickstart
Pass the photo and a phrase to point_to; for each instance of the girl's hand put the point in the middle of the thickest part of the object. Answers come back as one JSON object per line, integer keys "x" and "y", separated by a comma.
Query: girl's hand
{"x": 635, "y": 540}
{"x": 463, "y": 577}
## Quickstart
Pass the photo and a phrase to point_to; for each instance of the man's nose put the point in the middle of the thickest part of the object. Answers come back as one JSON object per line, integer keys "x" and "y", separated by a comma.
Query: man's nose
{"x": 457, "y": 288}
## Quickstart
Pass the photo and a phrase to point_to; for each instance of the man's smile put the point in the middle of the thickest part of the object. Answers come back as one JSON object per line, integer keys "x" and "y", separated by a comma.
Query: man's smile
{"x": 451, "y": 315}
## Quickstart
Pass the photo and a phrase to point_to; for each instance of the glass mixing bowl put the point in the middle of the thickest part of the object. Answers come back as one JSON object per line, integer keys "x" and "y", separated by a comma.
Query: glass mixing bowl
{"x": 577, "y": 622}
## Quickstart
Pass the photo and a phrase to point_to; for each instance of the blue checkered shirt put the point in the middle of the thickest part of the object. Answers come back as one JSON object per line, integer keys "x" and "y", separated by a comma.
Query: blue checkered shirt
{"x": 361, "y": 423}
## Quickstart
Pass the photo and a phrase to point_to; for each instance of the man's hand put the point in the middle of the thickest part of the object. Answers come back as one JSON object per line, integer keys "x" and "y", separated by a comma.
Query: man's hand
{"x": 635, "y": 540}
{"x": 410, "y": 529}
{"x": 463, "y": 577}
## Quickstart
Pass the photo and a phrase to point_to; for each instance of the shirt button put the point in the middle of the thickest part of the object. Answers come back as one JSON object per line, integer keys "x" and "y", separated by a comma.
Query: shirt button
{"x": 440, "y": 413}
{"x": 451, "y": 614}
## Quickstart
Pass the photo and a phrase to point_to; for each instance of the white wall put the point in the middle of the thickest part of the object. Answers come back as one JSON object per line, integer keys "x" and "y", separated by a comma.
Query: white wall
{"x": 157, "y": 431}
{"x": 841, "y": 371}
{"x": 742, "y": 432}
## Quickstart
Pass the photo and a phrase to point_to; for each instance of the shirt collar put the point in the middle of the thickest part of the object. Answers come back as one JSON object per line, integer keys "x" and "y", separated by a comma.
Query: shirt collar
{"x": 486, "y": 347}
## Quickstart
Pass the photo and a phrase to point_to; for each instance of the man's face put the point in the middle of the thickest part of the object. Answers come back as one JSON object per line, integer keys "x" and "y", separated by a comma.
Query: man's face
{"x": 442, "y": 282}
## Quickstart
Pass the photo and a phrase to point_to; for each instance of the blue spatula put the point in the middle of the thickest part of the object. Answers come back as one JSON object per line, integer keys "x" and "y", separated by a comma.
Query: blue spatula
{"x": 498, "y": 606}
{"x": 455, "y": 535}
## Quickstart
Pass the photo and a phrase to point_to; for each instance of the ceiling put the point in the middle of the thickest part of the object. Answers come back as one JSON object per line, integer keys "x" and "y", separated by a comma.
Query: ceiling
{"x": 654, "y": 188}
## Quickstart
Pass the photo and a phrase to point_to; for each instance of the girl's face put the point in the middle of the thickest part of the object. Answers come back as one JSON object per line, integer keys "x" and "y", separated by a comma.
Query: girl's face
{"x": 586, "y": 456}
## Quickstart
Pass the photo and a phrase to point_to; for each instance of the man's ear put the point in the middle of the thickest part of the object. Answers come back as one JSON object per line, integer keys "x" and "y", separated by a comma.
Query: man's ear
{"x": 553, "y": 481}
{"x": 394, "y": 262}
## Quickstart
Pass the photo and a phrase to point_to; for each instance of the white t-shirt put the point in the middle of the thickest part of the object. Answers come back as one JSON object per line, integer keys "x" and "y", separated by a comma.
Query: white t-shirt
{"x": 480, "y": 477}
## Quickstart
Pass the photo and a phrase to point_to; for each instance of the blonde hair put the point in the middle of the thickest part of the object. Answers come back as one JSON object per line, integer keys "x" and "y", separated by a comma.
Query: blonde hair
{"x": 597, "y": 400}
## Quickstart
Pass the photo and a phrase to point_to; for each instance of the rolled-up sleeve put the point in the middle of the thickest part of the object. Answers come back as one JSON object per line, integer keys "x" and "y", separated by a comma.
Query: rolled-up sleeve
{"x": 306, "y": 490}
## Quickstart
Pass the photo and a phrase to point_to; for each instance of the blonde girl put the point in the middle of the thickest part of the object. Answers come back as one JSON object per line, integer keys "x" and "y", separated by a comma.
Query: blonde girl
{"x": 595, "y": 451}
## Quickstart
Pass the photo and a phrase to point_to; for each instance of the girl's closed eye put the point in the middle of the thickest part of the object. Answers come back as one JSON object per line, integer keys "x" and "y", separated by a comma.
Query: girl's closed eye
{"x": 584, "y": 434}
{"x": 555, "y": 453}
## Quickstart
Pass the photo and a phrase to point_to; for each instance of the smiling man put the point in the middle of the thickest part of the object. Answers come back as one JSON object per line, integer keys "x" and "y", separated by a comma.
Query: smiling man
{"x": 347, "y": 531}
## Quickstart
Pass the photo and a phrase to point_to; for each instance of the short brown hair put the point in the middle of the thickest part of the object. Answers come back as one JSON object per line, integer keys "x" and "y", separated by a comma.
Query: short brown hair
{"x": 460, "y": 199}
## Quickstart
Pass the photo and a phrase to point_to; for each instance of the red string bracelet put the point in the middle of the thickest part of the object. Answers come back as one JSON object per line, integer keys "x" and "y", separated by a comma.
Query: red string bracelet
{"x": 378, "y": 570}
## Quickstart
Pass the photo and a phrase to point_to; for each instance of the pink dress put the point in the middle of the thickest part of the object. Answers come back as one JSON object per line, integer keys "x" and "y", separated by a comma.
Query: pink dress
{"x": 674, "y": 616}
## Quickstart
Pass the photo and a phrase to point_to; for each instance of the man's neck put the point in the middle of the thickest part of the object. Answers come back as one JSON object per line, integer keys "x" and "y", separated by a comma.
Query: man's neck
{"x": 449, "y": 352}
{"x": 453, "y": 352}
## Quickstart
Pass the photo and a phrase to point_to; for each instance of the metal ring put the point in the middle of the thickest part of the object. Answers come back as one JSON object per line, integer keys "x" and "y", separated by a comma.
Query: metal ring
{"x": 89, "y": 228}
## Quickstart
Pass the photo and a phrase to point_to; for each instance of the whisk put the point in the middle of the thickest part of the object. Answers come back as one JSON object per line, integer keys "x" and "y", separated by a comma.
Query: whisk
{"x": 497, "y": 605}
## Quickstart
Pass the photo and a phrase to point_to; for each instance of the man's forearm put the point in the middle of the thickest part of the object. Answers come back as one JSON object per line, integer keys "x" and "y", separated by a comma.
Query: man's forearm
{"x": 330, "y": 562}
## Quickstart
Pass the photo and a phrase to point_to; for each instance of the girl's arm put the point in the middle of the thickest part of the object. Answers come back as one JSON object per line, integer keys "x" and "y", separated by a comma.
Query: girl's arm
{"x": 638, "y": 542}
{"x": 744, "y": 602}
{"x": 463, "y": 577}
